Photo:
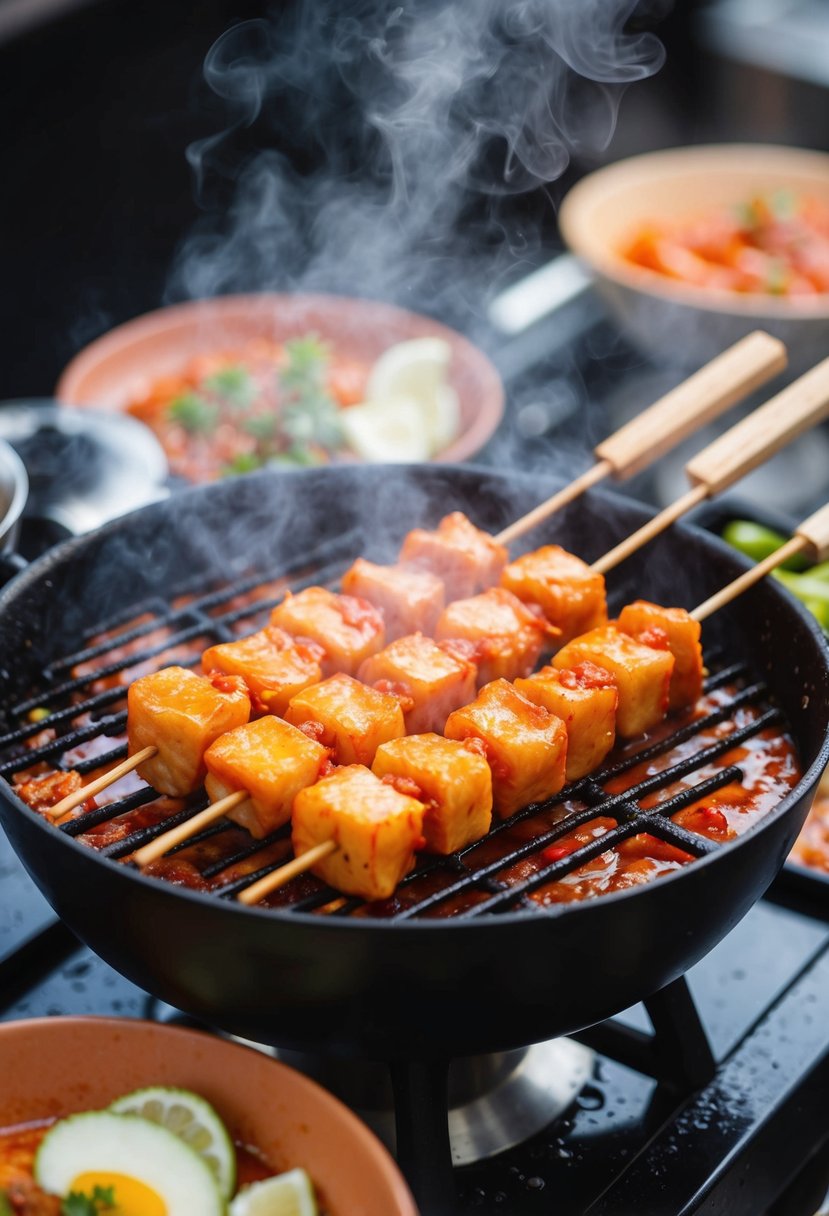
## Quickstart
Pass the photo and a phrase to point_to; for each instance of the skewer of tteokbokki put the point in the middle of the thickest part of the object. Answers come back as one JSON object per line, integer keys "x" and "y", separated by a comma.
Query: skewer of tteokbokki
{"x": 413, "y": 708}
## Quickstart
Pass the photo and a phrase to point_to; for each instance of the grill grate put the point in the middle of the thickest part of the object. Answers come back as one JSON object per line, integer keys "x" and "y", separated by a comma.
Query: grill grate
{"x": 81, "y": 713}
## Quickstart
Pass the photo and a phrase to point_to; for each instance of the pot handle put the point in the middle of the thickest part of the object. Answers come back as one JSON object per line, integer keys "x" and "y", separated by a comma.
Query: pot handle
{"x": 11, "y": 563}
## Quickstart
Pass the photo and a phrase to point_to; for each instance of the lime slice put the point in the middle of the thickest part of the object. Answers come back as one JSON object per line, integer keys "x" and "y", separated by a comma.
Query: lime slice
{"x": 150, "y": 1170}
{"x": 288, "y": 1194}
{"x": 417, "y": 371}
{"x": 387, "y": 431}
{"x": 190, "y": 1118}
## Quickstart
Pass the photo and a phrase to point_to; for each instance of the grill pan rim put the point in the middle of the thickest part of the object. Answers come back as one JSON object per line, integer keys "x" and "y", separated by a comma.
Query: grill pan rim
{"x": 37, "y": 573}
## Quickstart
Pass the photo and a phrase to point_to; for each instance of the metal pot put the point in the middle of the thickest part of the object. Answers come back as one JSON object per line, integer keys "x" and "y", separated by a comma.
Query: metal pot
{"x": 14, "y": 490}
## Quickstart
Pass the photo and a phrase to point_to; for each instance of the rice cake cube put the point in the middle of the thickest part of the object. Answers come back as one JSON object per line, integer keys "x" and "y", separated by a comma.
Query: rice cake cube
{"x": 526, "y": 746}
{"x": 508, "y": 636}
{"x": 410, "y": 601}
{"x": 353, "y": 718}
{"x": 347, "y": 628}
{"x": 274, "y": 665}
{"x": 270, "y": 759}
{"x": 642, "y": 675}
{"x": 428, "y": 678}
{"x": 465, "y": 558}
{"x": 455, "y": 783}
{"x": 570, "y": 594}
{"x": 648, "y": 623}
{"x": 585, "y": 698}
{"x": 181, "y": 714}
{"x": 376, "y": 828}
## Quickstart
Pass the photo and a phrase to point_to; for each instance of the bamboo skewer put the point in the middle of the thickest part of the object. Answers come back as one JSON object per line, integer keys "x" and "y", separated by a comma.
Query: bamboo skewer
{"x": 811, "y": 537}
{"x": 168, "y": 840}
{"x": 746, "y": 445}
{"x": 701, "y": 398}
{"x": 103, "y": 782}
{"x": 278, "y": 878}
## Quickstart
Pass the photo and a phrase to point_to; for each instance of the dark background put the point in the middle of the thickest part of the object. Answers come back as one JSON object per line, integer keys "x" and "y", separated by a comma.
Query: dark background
{"x": 101, "y": 99}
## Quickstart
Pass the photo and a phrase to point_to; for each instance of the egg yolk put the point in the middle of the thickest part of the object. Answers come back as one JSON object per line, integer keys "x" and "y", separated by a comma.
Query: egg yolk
{"x": 132, "y": 1198}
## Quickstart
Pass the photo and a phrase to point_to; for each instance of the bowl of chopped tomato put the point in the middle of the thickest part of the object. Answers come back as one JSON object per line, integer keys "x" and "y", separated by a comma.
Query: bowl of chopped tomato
{"x": 692, "y": 248}
{"x": 234, "y": 383}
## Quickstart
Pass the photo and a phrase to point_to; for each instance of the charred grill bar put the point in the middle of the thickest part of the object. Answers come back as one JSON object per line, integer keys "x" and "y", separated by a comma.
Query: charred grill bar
{"x": 169, "y": 634}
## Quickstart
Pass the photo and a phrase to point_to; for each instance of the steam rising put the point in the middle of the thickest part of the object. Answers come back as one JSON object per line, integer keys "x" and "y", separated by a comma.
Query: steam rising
{"x": 369, "y": 148}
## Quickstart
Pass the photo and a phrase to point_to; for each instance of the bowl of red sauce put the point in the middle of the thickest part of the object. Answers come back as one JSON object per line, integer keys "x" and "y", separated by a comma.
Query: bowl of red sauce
{"x": 279, "y": 1121}
{"x": 692, "y": 248}
{"x": 233, "y": 383}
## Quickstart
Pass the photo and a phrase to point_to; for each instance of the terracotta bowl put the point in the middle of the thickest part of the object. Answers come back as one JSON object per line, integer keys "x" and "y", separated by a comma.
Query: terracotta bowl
{"x": 122, "y": 364}
{"x": 56, "y": 1066}
{"x": 668, "y": 319}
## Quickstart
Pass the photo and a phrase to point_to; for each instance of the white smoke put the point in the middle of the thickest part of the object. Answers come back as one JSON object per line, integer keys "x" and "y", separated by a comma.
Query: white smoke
{"x": 374, "y": 148}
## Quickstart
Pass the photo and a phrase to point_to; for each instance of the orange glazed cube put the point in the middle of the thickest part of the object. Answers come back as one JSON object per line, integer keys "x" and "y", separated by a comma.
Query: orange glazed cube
{"x": 274, "y": 665}
{"x": 642, "y": 675}
{"x": 585, "y": 698}
{"x": 454, "y": 781}
{"x": 181, "y": 714}
{"x": 270, "y": 759}
{"x": 428, "y": 680}
{"x": 410, "y": 601}
{"x": 347, "y": 628}
{"x": 376, "y": 829}
{"x": 568, "y": 592}
{"x": 525, "y": 745}
{"x": 465, "y": 558}
{"x": 353, "y": 719}
{"x": 649, "y": 623}
{"x": 507, "y": 636}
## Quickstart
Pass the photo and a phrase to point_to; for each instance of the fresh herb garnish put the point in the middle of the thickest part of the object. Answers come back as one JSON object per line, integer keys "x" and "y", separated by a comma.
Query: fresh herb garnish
{"x": 310, "y": 416}
{"x": 193, "y": 413}
{"x": 746, "y": 215}
{"x": 783, "y": 203}
{"x": 101, "y": 1200}
{"x": 307, "y": 361}
{"x": 6, "y": 1208}
{"x": 261, "y": 426}
{"x": 233, "y": 383}
{"x": 777, "y": 278}
{"x": 245, "y": 462}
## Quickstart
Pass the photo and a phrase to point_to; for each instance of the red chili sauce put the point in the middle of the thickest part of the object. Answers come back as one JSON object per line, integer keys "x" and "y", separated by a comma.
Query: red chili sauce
{"x": 265, "y": 402}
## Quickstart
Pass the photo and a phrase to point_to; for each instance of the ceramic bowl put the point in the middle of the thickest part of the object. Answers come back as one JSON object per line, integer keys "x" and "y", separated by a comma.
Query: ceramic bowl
{"x": 674, "y": 321}
{"x": 121, "y": 365}
{"x": 52, "y": 1067}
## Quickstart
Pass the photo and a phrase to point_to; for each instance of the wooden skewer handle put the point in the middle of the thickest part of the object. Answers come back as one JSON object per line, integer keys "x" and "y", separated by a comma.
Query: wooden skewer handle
{"x": 814, "y": 532}
{"x": 278, "y": 878}
{"x": 100, "y": 783}
{"x": 699, "y": 399}
{"x": 763, "y": 432}
{"x": 168, "y": 840}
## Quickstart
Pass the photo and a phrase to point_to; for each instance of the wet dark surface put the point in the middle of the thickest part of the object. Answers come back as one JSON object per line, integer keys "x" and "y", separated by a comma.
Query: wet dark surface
{"x": 762, "y": 995}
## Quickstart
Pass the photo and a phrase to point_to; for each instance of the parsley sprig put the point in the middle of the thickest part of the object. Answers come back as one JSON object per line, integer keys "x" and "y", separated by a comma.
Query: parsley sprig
{"x": 101, "y": 1200}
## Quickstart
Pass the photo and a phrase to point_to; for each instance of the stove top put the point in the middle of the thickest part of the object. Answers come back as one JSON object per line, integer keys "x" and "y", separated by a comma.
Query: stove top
{"x": 751, "y": 1140}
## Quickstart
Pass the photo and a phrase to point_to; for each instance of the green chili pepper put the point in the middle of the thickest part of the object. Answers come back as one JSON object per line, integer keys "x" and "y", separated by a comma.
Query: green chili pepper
{"x": 757, "y": 542}
{"x": 813, "y": 592}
